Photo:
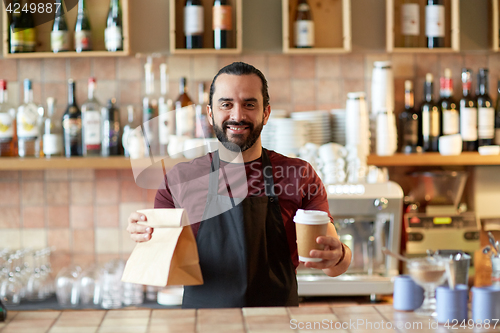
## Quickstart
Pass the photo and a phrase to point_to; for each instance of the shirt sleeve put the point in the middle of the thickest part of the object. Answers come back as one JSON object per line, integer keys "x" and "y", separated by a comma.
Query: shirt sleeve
{"x": 163, "y": 198}
{"x": 314, "y": 195}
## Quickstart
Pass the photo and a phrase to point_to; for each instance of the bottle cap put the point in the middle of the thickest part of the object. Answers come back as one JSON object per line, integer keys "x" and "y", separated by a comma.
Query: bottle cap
{"x": 27, "y": 84}
{"x": 3, "y": 85}
{"x": 92, "y": 80}
{"x": 163, "y": 68}
{"x": 356, "y": 95}
{"x": 429, "y": 77}
{"x": 447, "y": 73}
{"x": 408, "y": 85}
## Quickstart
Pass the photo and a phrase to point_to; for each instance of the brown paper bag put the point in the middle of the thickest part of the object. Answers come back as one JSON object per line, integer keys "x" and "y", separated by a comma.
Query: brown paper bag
{"x": 170, "y": 257}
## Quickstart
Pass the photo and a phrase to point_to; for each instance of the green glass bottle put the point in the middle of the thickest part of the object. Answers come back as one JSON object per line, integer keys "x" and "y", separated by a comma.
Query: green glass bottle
{"x": 16, "y": 32}
{"x": 29, "y": 31}
{"x": 113, "y": 36}
{"x": 83, "y": 38}
{"x": 59, "y": 36}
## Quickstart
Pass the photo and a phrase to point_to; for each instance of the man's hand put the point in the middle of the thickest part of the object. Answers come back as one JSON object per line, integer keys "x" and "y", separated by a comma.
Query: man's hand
{"x": 331, "y": 254}
{"x": 138, "y": 232}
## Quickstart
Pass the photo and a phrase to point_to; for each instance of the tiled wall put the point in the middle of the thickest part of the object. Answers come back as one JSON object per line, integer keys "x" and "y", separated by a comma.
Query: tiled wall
{"x": 83, "y": 212}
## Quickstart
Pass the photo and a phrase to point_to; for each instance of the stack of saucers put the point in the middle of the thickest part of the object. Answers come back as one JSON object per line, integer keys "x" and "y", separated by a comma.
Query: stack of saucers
{"x": 319, "y": 127}
{"x": 338, "y": 126}
{"x": 290, "y": 135}
{"x": 268, "y": 135}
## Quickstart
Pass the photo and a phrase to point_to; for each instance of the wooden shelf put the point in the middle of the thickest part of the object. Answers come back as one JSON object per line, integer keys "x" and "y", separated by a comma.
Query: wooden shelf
{"x": 98, "y": 12}
{"x": 494, "y": 24}
{"x": 332, "y": 26}
{"x": 115, "y": 162}
{"x": 433, "y": 159}
{"x": 177, "y": 38}
{"x": 393, "y": 28}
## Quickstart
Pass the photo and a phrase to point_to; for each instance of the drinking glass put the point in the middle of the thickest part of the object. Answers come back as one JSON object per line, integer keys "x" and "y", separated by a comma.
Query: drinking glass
{"x": 428, "y": 272}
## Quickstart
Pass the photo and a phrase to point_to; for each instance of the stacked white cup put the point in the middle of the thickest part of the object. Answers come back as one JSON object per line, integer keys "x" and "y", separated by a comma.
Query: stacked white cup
{"x": 357, "y": 123}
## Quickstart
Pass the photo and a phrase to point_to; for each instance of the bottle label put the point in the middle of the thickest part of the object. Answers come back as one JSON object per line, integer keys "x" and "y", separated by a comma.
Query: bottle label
{"x": 410, "y": 133}
{"x": 113, "y": 38}
{"x": 222, "y": 18}
{"x": 82, "y": 40}
{"x": 112, "y": 131}
{"x": 59, "y": 40}
{"x": 166, "y": 123}
{"x": 16, "y": 40}
{"x": 193, "y": 20}
{"x": 27, "y": 123}
{"x": 72, "y": 127}
{"x": 451, "y": 122}
{"x": 185, "y": 121}
{"x": 434, "y": 21}
{"x": 410, "y": 19}
{"x": 92, "y": 128}
{"x": 497, "y": 136}
{"x": 468, "y": 124}
{"x": 304, "y": 33}
{"x": 52, "y": 144}
{"x": 430, "y": 122}
{"x": 6, "y": 128}
{"x": 29, "y": 39}
{"x": 485, "y": 123}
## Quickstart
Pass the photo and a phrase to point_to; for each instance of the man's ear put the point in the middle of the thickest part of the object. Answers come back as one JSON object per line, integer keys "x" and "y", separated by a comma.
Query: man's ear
{"x": 209, "y": 115}
{"x": 267, "y": 113}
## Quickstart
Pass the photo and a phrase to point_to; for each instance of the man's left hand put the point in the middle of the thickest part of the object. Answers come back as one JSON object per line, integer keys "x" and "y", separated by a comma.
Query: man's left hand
{"x": 331, "y": 254}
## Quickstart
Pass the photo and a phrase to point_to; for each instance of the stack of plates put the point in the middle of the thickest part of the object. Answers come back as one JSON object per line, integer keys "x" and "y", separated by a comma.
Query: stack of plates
{"x": 290, "y": 135}
{"x": 319, "y": 127}
{"x": 268, "y": 135}
{"x": 338, "y": 126}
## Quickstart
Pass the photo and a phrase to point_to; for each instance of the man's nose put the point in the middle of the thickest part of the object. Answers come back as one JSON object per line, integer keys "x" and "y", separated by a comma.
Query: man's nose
{"x": 237, "y": 113}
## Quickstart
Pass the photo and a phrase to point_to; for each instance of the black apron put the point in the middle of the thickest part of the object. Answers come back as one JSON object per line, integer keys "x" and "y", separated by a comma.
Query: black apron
{"x": 244, "y": 255}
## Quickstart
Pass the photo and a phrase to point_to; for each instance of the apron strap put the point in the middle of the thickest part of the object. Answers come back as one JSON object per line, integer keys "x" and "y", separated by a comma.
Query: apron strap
{"x": 268, "y": 174}
{"x": 213, "y": 181}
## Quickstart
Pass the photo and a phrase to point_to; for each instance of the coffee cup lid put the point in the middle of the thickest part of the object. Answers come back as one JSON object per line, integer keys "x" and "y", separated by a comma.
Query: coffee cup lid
{"x": 311, "y": 217}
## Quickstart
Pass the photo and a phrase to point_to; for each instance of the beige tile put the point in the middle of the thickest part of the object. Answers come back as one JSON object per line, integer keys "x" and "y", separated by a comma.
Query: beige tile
{"x": 32, "y": 175}
{"x": 225, "y": 60}
{"x": 58, "y": 90}
{"x": 30, "y": 315}
{"x": 127, "y": 208}
{"x": 57, "y": 192}
{"x": 475, "y": 61}
{"x": 130, "y": 68}
{"x": 455, "y": 62}
{"x": 59, "y": 238}
{"x": 329, "y": 91}
{"x": 309, "y": 310}
{"x": 303, "y": 91}
{"x": 216, "y": 328}
{"x": 11, "y": 217}
{"x": 258, "y": 61}
{"x": 355, "y": 310}
{"x": 58, "y": 216}
{"x": 107, "y": 191}
{"x": 8, "y": 68}
{"x": 279, "y": 91}
{"x": 303, "y": 67}
{"x": 219, "y": 316}
{"x": 494, "y": 63}
{"x": 172, "y": 321}
{"x": 54, "y": 70}
{"x": 14, "y": 91}
{"x": 127, "y": 245}
{"x": 83, "y": 241}
{"x": 84, "y": 260}
{"x": 56, "y": 174}
{"x": 279, "y": 67}
{"x": 104, "y": 68}
{"x": 119, "y": 329}
{"x": 107, "y": 90}
{"x": 106, "y": 215}
{"x": 30, "y": 69}
{"x": 370, "y": 58}
{"x": 9, "y": 175}
{"x": 10, "y": 238}
{"x": 107, "y": 240}
{"x": 78, "y": 329}
{"x": 33, "y": 217}
{"x": 37, "y": 91}
{"x": 34, "y": 238}
{"x": 81, "y": 87}
{"x": 106, "y": 174}
{"x": 264, "y": 311}
{"x": 180, "y": 66}
{"x": 352, "y": 85}
{"x": 91, "y": 315}
{"x": 9, "y": 193}
{"x": 59, "y": 260}
{"x": 130, "y": 192}
{"x": 205, "y": 68}
{"x": 403, "y": 65}
{"x": 328, "y": 67}
{"x": 79, "y": 68}
{"x": 82, "y": 192}
{"x": 130, "y": 92}
{"x": 352, "y": 66}
{"x": 107, "y": 257}
{"x": 130, "y": 314}
{"x": 82, "y": 174}
{"x": 124, "y": 322}
{"x": 427, "y": 63}
{"x": 32, "y": 193}
{"x": 304, "y": 107}
{"x": 268, "y": 322}
{"x": 81, "y": 217}
{"x": 173, "y": 313}
{"x": 126, "y": 174}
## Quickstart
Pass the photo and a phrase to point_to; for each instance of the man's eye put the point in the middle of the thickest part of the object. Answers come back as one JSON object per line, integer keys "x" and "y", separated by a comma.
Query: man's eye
{"x": 250, "y": 105}
{"x": 225, "y": 105}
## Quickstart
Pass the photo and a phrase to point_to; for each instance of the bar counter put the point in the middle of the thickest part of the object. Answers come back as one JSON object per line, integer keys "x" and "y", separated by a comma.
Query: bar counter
{"x": 343, "y": 319}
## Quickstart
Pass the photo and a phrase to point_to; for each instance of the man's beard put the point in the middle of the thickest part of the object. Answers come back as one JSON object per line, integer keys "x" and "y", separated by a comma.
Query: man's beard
{"x": 220, "y": 133}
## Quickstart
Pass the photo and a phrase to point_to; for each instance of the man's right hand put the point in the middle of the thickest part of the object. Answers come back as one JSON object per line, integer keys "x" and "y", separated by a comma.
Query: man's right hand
{"x": 138, "y": 232}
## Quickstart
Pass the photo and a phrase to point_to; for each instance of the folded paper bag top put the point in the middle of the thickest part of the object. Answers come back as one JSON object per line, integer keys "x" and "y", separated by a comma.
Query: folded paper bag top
{"x": 170, "y": 257}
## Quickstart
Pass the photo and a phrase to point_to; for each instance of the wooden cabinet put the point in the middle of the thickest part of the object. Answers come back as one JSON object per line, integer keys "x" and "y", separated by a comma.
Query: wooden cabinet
{"x": 433, "y": 159}
{"x": 98, "y": 12}
{"x": 394, "y": 41}
{"x": 177, "y": 37}
{"x": 332, "y": 25}
{"x": 494, "y": 15}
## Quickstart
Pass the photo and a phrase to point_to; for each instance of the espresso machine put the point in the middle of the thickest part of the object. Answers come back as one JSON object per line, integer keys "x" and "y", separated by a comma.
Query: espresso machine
{"x": 367, "y": 217}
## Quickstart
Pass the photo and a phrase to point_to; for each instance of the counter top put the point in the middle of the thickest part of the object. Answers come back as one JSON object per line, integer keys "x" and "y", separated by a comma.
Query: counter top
{"x": 346, "y": 319}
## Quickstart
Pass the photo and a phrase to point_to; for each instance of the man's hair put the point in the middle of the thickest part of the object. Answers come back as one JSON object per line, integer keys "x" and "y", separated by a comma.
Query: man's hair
{"x": 241, "y": 68}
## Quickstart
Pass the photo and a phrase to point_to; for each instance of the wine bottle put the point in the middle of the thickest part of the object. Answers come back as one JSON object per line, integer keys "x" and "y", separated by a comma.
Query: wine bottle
{"x": 468, "y": 113}
{"x": 111, "y": 129}
{"x": 410, "y": 23}
{"x": 497, "y": 116}
{"x": 431, "y": 118}
{"x": 83, "y": 39}
{"x": 222, "y": 16}
{"x": 303, "y": 26}
{"x": 194, "y": 24}
{"x": 28, "y": 124}
{"x": 113, "y": 37}
{"x": 485, "y": 111}
{"x": 59, "y": 36}
{"x": 72, "y": 125}
{"x": 91, "y": 123}
{"x": 127, "y": 129}
{"x": 149, "y": 112}
{"x": 450, "y": 123}
{"x": 3, "y": 312}
{"x": 185, "y": 112}
{"x": 7, "y": 123}
{"x": 29, "y": 32}
{"x": 52, "y": 131}
{"x": 409, "y": 122}
{"x": 166, "y": 115}
{"x": 16, "y": 32}
{"x": 435, "y": 23}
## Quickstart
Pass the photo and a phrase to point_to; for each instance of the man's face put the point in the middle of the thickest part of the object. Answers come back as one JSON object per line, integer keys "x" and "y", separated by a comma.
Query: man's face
{"x": 238, "y": 113}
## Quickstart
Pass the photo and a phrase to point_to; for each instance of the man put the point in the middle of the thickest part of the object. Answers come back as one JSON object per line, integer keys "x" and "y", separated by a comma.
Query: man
{"x": 246, "y": 243}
